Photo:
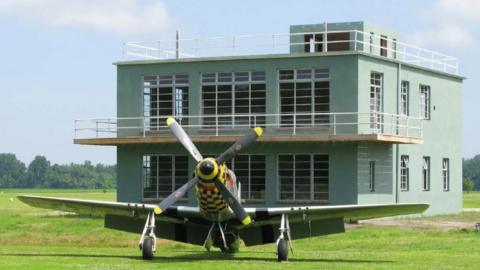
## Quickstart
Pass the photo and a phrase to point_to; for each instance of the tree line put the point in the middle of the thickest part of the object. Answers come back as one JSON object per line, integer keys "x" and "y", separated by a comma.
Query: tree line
{"x": 40, "y": 173}
{"x": 471, "y": 173}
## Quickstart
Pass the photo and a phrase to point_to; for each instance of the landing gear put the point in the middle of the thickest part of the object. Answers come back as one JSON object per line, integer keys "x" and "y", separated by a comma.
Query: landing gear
{"x": 148, "y": 240}
{"x": 282, "y": 250}
{"x": 284, "y": 239}
{"x": 147, "y": 248}
{"x": 219, "y": 236}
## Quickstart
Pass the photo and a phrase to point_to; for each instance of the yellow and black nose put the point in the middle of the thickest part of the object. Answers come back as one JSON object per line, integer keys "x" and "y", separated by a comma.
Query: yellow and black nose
{"x": 207, "y": 169}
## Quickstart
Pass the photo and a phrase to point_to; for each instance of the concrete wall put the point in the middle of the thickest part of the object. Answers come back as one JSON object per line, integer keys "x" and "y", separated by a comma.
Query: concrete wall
{"x": 349, "y": 92}
{"x": 442, "y": 133}
{"x": 342, "y": 162}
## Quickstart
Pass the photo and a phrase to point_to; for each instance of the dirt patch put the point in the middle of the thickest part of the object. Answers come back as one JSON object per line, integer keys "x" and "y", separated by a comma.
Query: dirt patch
{"x": 413, "y": 224}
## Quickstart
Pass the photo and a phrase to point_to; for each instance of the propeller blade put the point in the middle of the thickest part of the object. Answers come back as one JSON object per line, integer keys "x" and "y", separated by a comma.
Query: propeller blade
{"x": 233, "y": 203}
{"x": 184, "y": 138}
{"x": 240, "y": 145}
{"x": 177, "y": 194}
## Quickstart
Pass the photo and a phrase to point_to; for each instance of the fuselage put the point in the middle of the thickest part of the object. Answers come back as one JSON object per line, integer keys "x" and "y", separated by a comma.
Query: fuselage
{"x": 210, "y": 200}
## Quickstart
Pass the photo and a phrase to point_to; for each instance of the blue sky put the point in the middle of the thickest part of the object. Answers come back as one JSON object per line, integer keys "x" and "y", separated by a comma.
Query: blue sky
{"x": 56, "y": 56}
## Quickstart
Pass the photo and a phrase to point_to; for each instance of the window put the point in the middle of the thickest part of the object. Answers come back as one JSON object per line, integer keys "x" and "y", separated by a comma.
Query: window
{"x": 372, "y": 176}
{"x": 446, "y": 174}
{"x": 313, "y": 43}
{"x": 376, "y": 106}
{"x": 404, "y": 173}
{"x": 424, "y": 102}
{"x": 250, "y": 172}
{"x": 304, "y": 97}
{"x": 303, "y": 177}
{"x": 164, "y": 96}
{"x": 426, "y": 173}
{"x": 404, "y": 92}
{"x": 383, "y": 46}
{"x": 338, "y": 41}
{"x": 233, "y": 100}
{"x": 371, "y": 42}
{"x": 163, "y": 174}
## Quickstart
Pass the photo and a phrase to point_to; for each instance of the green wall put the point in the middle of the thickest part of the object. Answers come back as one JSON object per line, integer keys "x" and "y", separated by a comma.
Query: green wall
{"x": 349, "y": 92}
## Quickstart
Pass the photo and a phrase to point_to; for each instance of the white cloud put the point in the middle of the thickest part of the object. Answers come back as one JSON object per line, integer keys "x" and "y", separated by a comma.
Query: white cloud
{"x": 459, "y": 10}
{"x": 456, "y": 21}
{"x": 451, "y": 36}
{"x": 121, "y": 17}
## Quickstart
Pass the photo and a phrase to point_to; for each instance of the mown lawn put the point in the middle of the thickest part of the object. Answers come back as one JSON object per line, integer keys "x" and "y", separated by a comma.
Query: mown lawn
{"x": 36, "y": 239}
{"x": 471, "y": 199}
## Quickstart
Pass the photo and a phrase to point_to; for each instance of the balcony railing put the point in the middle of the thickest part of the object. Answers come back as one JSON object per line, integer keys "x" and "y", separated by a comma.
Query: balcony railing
{"x": 299, "y": 124}
{"x": 288, "y": 43}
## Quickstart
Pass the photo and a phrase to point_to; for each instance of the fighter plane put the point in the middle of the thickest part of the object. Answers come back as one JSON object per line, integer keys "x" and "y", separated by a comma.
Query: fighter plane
{"x": 220, "y": 220}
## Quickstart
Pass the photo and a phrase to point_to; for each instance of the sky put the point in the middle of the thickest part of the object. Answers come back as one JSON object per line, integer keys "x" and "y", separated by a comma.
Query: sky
{"x": 56, "y": 56}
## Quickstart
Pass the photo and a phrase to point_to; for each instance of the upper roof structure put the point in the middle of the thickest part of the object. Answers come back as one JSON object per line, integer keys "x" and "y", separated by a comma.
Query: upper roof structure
{"x": 326, "y": 38}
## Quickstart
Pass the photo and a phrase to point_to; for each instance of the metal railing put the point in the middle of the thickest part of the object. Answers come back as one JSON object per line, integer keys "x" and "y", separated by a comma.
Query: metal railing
{"x": 287, "y": 43}
{"x": 299, "y": 124}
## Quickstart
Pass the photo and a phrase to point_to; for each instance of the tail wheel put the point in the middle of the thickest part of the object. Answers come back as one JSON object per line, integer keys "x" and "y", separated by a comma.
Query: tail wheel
{"x": 147, "y": 248}
{"x": 282, "y": 250}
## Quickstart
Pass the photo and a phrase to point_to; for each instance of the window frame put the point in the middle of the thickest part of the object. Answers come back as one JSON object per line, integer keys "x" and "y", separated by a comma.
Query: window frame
{"x": 404, "y": 173}
{"x": 446, "y": 174}
{"x": 250, "y": 176}
{"x": 371, "y": 175}
{"x": 177, "y": 81}
{"x": 312, "y": 179}
{"x": 315, "y": 115}
{"x": 173, "y": 177}
{"x": 424, "y": 101}
{"x": 426, "y": 173}
{"x": 260, "y": 118}
{"x": 404, "y": 98}
{"x": 376, "y": 114}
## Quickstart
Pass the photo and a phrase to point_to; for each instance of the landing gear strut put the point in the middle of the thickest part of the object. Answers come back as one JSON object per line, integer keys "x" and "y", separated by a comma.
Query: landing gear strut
{"x": 148, "y": 240}
{"x": 284, "y": 239}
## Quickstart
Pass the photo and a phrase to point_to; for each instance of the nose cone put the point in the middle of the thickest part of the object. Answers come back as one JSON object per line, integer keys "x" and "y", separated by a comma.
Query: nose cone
{"x": 207, "y": 167}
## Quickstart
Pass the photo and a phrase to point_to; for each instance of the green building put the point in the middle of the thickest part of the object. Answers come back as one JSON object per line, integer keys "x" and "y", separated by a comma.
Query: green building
{"x": 351, "y": 115}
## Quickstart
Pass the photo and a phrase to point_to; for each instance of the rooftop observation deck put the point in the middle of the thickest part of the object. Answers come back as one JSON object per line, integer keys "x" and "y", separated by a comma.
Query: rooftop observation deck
{"x": 318, "y": 127}
{"x": 290, "y": 43}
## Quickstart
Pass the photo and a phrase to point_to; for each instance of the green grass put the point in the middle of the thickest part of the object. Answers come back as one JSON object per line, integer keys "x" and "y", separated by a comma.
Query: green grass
{"x": 34, "y": 239}
{"x": 471, "y": 199}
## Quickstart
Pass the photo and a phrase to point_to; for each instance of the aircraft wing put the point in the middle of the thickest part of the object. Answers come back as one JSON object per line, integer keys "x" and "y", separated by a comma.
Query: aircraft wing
{"x": 348, "y": 212}
{"x": 97, "y": 208}
{"x": 308, "y": 221}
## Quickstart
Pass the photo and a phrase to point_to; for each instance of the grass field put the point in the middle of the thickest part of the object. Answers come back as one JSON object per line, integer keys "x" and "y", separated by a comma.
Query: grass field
{"x": 37, "y": 239}
{"x": 471, "y": 199}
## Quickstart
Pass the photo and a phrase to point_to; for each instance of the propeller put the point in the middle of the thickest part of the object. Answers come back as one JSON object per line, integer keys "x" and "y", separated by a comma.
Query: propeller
{"x": 233, "y": 203}
{"x": 208, "y": 168}
{"x": 240, "y": 145}
{"x": 184, "y": 138}
{"x": 172, "y": 198}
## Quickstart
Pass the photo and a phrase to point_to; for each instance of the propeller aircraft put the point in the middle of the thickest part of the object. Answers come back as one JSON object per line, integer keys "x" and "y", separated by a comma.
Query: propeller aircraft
{"x": 220, "y": 220}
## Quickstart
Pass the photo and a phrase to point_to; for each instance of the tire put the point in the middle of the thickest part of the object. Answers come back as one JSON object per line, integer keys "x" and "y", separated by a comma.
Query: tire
{"x": 147, "y": 248}
{"x": 282, "y": 250}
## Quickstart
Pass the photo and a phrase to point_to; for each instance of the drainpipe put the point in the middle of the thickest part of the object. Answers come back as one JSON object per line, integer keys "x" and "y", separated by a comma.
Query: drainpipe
{"x": 397, "y": 154}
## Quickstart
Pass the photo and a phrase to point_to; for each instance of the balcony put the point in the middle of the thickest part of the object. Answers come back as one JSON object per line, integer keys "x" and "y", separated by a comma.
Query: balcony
{"x": 300, "y": 127}
{"x": 290, "y": 43}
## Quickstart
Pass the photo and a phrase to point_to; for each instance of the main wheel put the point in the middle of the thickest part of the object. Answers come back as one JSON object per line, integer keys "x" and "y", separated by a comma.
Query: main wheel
{"x": 282, "y": 250}
{"x": 147, "y": 248}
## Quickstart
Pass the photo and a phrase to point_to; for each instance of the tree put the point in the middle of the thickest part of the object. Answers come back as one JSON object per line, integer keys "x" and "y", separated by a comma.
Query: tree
{"x": 12, "y": 171}
{"x": 37, "y": 170}
{"x": 471, "y": 170}
{"x": 468, "y": 185}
